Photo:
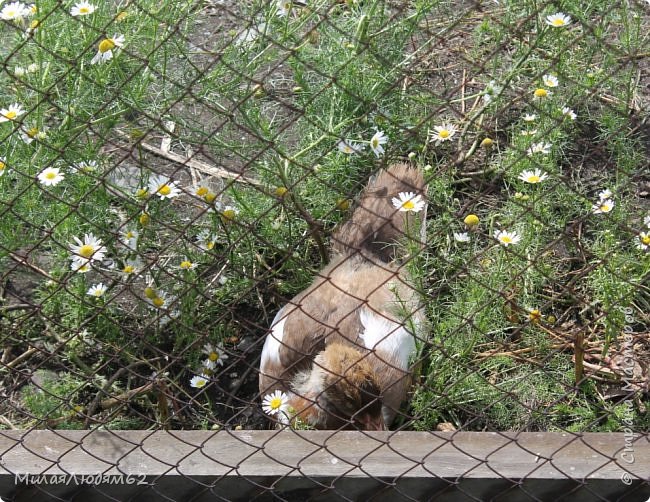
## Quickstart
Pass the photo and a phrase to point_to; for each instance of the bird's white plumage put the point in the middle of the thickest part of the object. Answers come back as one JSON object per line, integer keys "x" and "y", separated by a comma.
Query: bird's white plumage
{"x": 273, "y": 342}
{"x": 386, "y": 336}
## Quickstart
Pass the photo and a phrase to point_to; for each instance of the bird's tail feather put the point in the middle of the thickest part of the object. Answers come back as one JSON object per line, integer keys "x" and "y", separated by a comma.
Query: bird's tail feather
{"x": 376, "y": 225}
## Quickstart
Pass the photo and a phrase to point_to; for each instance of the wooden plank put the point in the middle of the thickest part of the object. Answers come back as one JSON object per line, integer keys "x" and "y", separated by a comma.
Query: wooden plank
{"x": 238, "y": 465}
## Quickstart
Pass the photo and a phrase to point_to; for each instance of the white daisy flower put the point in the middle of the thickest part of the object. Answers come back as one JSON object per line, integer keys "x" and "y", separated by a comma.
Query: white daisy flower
{"x": 11, "y": 113}
{"x": 88, "y": 250}
{"x": 97, "y": 290}
{"x": 276, "y": 403}
{"x": 3, "y": 166}
{"x": 532, "y": 132}
{"x": 82, "y": 9}
{"x": 376, "y": 142}
{"x": 541, "y": 93}
{"x": 603, "y": 206}
{"x": 529, "y": 117}
{"x": 29, "y": 134}
{"x": 79, "y": 265}
{"x": 543, "y": 148}
{"x": 50, "y": 176}
{"x": 461, "y": 237}
{"x": 132, "y": 267}
{"x": 159, "y": 300}
{"x": 19, "y": 71}
{"x": 84, "y": 166}
{"x": 229, "y": 213}
{"x": 15, "y": 11}
{"x": 536, "y": 176}
{"x": 129, "y": 238}
{"x": 350, "y": 147}
{"x": 206, "y": 240}
{"x": 106, "y": 47}
{"x": 186, "y": 264}
{"x": 408, "y": 201}
{"x": 442, "y": 133}
{"x": 215, "y": 353}
{"x": 507, "y": 238}
{"x": 492, "y": 89}
{"x": 209, "y": 364}
{"x": 163, "y": 187}
{"x": 32, "y": 67}
{"x": 605, "y": 194}
{"x": 283, "y": 7}
{"x": 643, "y": 242}
{"x": 568, "y": 112}
{"x": 550, "y": 81}
{"x": 198, "y": 381}
{"x": 558, "y": 20}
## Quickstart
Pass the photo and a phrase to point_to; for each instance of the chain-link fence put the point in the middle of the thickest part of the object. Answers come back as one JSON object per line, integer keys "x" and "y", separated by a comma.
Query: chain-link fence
{"x": 281, "y": 216}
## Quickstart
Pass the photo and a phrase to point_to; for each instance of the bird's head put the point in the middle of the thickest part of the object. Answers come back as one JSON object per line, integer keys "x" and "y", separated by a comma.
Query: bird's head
{"x": 349, "y": 390}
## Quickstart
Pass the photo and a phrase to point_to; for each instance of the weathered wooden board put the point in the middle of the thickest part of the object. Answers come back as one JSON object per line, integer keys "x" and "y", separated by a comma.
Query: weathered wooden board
{"x": 320, "y": 465}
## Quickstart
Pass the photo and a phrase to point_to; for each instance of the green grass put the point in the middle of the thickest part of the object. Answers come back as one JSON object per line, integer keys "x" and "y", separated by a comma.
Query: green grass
{"x": 276, "y": 107}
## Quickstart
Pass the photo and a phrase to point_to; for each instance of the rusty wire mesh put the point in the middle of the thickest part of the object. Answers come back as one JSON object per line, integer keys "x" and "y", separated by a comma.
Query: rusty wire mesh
{"x": 205, "y": 152}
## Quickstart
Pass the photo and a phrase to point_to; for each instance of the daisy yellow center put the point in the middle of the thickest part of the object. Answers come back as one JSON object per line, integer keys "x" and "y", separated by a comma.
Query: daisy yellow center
{"x": 121, "y": 16}
{"x": 534, "y": 315}
{"x": 144, "y": 219}
{"x": 201, "y": 382}
{"x": 374, "y": 143}
{"x": 444, "y": 133}
{"x": 165, "y": 190}
{"x": 201, "y": 191}
{"x": 409, "y": 204}
{"x": 229, "y": 214}
{"x": 558, "y": 21}
{"x": 605, "y": 208}
{"x": 50, "y": 175}
{"x": 275, "y": 403}
{"x": 98, "y": 292}
{"x": 106, "y": 45}
{"x": 471, "y": 220}
{"x": 541, "y": 93}
{"x": 213, "y": 356}
{"x": 141, "y": 193}
{"x": 128, "y": 269}
{"x": 86, "y": 250}
{"x": 533, "y": 178}
{"x": 150, "y": 293}
{"x": 34, "y": 24}
{"x": 505, "y": 239}
{"x": 158, "y": 302}
{"x": 186, "y": 264}
{"x": 209, "y": 197}
{"x": 11, "y": 114}
{"x": 343, "y": 204}
{"x": 84, "y": 10}
{"x": 209, "y": 244}
{"x": 646, "y": 240}
{"x": 32, "y": 132}
{"x": 2, "y": 165}
{"x": 347, "y": 149}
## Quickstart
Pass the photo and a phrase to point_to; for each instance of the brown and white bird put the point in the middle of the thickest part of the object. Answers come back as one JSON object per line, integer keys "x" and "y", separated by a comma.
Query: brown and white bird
{"x": 341, "y": 349}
